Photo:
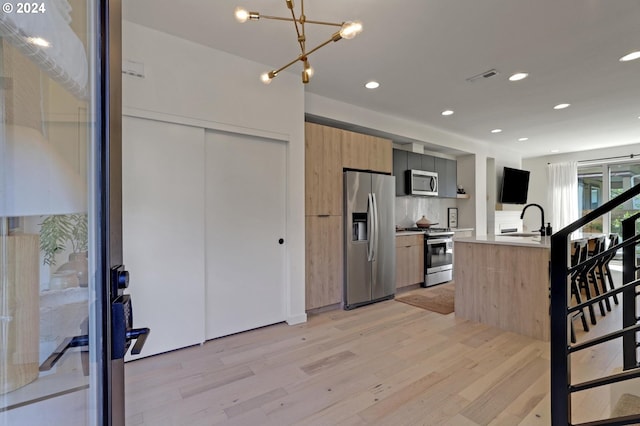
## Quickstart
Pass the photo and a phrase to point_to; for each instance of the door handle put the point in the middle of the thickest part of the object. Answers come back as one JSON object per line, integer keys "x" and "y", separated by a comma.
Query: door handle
{"x": 122, "y": 331}
{"x": 68, "y": 343}
{"x": 374, "y": 250}
{"x": 370, "y": 219}
{"x": 140, "y": 336}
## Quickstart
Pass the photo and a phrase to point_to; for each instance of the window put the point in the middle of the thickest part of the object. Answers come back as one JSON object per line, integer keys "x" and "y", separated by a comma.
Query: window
{"x": 590, "y": 195}
{"x": 603, "y": 182}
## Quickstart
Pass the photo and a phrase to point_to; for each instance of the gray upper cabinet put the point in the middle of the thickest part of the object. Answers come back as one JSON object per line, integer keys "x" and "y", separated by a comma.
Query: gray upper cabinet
{"x": 400, "y": 159}
{"x": 446, "y": 169}
{"x": 414, "y": 161}
{"x": 447, "y": 177}
{"x": 420, "y": 162}
{"x": 428, "y": 163}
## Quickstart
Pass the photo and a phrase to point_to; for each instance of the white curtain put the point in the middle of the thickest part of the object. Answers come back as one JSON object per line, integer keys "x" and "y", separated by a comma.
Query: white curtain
{"x": 563, "y": 197}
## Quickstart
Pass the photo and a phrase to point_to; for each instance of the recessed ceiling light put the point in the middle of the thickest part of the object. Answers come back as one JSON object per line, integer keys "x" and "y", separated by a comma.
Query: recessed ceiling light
{"x": 523, "y": 139}
{"x": 555, "y": 150}
{"x": 447, "y": 112}
{"x": 496, "y": 130}
{"x": 561, "y": 106}
{"x": 630, "y": 57}
{"x": 372, "y": 85}
{"x": 518, "y": 76}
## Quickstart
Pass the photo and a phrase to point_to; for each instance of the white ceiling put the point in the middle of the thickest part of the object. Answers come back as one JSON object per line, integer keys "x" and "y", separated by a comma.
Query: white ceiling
{"x": 422, "y": 52}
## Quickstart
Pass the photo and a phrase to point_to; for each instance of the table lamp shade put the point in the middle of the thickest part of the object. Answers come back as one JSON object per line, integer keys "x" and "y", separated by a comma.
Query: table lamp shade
{"x": 38, "y": 181}
{"x": 34, "y": 180}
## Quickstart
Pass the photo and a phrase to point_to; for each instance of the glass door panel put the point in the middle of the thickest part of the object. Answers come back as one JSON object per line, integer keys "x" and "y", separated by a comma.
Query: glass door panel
{"x": 590, "y": 195}
{"x": 50, "y": 363}
{"x": 621, "y": 178}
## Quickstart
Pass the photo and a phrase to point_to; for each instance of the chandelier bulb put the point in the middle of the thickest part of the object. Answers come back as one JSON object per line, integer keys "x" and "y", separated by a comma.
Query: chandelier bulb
{"x": 267, "y": 77}
{"x": 350, "y": 29}
{"x": 308, "y": 69}
{"x": 242, "y": 14}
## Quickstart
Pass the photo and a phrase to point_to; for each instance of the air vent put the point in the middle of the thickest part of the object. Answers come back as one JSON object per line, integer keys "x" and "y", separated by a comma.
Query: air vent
{"x": 486, "y": 74}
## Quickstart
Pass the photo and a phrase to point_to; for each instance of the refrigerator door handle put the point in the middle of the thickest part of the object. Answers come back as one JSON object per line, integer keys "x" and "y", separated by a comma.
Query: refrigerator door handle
{"x": 374, "y": 249}
{"x": 370, "y": 215}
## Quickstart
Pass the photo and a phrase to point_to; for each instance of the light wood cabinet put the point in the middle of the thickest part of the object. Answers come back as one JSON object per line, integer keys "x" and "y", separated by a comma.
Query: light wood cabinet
{"x": 327, "y": 152}
{"x": 409, "y": 260}
{"x": 364, "y": 152}
{"x": 323, "y": 170}
{"x": 323, "y": 265}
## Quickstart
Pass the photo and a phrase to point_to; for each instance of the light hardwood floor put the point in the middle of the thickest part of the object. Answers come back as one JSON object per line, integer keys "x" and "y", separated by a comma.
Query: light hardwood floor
{"x": 388, "y": 363}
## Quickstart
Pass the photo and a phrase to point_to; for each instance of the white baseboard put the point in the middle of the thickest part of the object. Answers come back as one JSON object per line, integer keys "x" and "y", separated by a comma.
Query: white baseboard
{"x": 297, "y": 319}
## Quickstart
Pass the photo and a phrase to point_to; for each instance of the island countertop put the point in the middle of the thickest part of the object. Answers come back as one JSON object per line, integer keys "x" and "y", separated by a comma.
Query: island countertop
{"x": 533, "y": 241}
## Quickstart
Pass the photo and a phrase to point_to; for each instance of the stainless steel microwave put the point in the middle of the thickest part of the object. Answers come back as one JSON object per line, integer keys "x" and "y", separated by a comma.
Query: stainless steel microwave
{"x": 420, "y": 182}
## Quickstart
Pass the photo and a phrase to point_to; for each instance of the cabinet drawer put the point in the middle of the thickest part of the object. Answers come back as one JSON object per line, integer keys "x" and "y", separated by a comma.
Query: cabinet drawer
{"x": 409, "y": 240}
{"x": 409, "y": 265}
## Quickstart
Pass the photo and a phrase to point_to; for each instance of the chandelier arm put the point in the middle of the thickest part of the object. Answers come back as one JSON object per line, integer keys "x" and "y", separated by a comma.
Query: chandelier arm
{"x": 303, "y": 18}
{"x": 308, "y": 21}
{"x": 284, "y": 67}
{"x": 335, "y": 37}
{"x": 295, "y": 23}
{"x": 301, "y": 57}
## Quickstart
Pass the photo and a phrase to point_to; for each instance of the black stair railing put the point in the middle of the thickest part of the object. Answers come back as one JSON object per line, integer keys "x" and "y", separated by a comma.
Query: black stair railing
{"x": 561, "y": 314}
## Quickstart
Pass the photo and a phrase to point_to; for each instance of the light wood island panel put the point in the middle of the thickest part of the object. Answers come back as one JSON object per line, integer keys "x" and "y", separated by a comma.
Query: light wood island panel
{"x": 504, "y": 286}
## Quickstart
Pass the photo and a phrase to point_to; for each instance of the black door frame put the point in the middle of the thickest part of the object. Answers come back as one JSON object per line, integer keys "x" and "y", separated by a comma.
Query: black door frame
{"x": 109, "y": 200}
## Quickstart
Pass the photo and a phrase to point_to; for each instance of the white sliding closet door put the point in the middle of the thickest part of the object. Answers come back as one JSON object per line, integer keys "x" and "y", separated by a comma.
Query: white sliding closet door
{"x": 163, "y": 223}
{"x": 245, "y": 218}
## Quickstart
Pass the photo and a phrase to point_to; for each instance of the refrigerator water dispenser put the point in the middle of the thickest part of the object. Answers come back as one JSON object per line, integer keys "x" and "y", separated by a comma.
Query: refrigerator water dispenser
{"x": 359, "y": 227}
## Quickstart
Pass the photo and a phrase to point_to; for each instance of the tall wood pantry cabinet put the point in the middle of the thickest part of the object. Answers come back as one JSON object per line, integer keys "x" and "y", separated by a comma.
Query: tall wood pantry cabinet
{"x": 327, "y": 152}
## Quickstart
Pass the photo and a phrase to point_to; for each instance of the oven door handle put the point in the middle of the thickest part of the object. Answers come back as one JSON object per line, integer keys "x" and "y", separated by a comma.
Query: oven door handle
{"x": 438, "y": 240}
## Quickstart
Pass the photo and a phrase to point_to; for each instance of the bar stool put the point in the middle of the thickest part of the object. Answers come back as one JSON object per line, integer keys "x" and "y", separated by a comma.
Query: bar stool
{"x": 587, "y": 277}
{"x": 598, "y": 283}
{"x": 578, "y": 254}
{"x": 603, "y": 270}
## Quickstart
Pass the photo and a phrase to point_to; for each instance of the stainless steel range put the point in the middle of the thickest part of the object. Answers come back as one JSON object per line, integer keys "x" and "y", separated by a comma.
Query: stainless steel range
{"x": 438, "y": 255}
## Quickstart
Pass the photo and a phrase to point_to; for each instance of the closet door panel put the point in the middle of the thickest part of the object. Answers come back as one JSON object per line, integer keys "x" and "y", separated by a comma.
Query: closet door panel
{"x": 245, "y": 232}
{"x": 163, "y": 230}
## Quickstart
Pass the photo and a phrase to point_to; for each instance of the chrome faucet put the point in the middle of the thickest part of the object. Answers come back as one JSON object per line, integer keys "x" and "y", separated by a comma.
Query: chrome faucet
{"x": 542, "y": 231}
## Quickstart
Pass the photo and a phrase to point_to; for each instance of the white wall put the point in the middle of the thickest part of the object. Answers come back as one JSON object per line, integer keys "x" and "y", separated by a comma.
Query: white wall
{"x": 539, "y": 180}
{"x": 477, "y": 210}
{"x": 190, "y": 84}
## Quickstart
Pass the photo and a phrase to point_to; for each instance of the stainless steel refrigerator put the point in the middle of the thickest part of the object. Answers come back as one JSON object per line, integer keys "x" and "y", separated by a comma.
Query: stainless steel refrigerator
{"x": 369, "y": 238}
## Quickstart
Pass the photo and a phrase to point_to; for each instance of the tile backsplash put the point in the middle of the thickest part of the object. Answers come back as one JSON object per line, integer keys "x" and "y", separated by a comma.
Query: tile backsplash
{"x": 410, "y": 209}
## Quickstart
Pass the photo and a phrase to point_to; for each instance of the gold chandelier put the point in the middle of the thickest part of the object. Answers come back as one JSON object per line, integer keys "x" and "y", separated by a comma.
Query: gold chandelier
{"x": 347, "y": 30}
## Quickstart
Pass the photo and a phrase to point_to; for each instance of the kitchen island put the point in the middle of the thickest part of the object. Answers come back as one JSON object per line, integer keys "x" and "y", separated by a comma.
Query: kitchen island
{"x": 504, "y": 282}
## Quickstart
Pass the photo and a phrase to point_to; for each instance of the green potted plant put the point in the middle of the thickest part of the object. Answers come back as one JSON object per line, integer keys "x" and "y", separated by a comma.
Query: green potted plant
{"x": 56, "y": 232}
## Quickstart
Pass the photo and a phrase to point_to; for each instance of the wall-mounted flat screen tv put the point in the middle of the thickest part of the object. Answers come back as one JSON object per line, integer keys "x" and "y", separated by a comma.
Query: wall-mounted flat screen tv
{"x": 515, "y": 186}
